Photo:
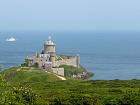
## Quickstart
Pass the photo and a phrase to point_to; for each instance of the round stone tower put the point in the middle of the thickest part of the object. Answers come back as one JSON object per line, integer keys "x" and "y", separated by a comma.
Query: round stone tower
{"x": 49, "y": 48}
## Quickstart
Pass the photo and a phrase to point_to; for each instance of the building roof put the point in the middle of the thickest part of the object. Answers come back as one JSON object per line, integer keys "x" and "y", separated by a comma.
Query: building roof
{"x": 50, "y": 42}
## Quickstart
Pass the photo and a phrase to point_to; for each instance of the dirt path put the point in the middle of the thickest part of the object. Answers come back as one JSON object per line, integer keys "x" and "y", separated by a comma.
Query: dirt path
{"x": 60, "y": 77}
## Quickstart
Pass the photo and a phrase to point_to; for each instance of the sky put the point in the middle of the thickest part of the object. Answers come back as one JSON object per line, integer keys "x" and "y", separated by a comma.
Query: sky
{"x": 70, "y": 15}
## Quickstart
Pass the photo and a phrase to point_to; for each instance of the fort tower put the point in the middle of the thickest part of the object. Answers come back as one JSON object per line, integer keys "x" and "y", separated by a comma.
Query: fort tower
{"x": 49, "y": 48}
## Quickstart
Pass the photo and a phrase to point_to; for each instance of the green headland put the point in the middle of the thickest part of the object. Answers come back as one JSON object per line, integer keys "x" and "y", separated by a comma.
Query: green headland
{"x": 32, "y": 86}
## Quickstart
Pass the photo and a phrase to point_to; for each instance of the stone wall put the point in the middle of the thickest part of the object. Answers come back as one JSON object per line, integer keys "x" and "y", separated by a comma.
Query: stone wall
{"x": 48, "y": 65}
{"x": 72, "y": 61}
{"x": 59, "y": 71}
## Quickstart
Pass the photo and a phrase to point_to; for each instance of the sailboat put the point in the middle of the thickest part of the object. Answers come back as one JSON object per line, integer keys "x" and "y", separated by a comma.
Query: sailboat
{"x": 11, "y": 39}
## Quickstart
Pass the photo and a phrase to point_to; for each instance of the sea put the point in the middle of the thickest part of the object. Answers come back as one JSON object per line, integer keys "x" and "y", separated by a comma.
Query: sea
{"x": 109, "y": 55}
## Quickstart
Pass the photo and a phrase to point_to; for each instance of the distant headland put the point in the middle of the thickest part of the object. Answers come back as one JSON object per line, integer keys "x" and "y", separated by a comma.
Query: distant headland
{"x": 49, "y": 61}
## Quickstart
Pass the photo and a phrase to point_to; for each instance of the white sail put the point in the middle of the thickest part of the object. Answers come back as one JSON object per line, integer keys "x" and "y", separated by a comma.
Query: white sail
{"x": 12, "y": 39}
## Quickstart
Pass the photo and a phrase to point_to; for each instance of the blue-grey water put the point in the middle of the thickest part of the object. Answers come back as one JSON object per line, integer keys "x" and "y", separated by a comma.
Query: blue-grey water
{"x": 110, "y": 55}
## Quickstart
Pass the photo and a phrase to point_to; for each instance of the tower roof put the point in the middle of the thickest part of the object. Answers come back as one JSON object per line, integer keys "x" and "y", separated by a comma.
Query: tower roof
{"x": 50, "y": 42}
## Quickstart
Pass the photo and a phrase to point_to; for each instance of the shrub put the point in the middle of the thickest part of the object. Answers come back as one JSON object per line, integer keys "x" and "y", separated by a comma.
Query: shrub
{"x": 18, "y": 95}
{"x": 0, "y": 68}
{"x": 84, "y": 100}
{"x": 115, "y": 90}
{"x": 129, "y": 98}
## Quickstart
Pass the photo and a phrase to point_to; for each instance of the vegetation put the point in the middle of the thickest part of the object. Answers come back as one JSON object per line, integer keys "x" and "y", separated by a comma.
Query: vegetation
{"x": 30, "y": 86}
{"x": 26, "y": 63}
{"x": 0, "y": 68}
{"x": 65, "y": 57}
{"x": 61, "y": 57}
{"x": 71, "y": 70}
{"x": 37, "y": 55}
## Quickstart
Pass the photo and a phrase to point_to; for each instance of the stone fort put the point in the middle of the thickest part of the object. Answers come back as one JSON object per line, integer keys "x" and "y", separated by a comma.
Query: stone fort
{"x": 50, "y": 61}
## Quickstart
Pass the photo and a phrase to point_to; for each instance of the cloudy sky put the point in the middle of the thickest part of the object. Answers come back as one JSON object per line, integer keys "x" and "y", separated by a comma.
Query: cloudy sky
{"x": 85, "y": 15}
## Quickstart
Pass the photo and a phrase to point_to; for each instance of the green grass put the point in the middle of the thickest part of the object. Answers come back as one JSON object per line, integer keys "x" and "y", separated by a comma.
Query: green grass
{"x": 71, "y": 70}
{"x": 28, "y": 75}
{"x": 51, "y": 89}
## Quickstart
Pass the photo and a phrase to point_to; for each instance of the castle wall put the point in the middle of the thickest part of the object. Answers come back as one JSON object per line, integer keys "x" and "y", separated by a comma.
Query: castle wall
{"x": 48, "y": 65}
{"x": 53, "y": 61}
{"x": 72, "y": 61}
{"x": 41, "y": 62}
{"x": 59, "y": 71}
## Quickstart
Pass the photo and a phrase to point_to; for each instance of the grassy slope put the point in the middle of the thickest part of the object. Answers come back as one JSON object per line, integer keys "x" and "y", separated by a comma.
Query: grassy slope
{"x": 48, "y": 86}
{"x": 28, "y": 75}
{"x": 70, "y": 70}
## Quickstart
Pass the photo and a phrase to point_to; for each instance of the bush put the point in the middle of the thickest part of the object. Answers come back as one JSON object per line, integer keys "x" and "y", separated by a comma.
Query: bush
{"x": 115, "y": 90}
{"x": 1, "y": 68}
{"x": 70, "y": 70}
{"x": 26, "y": 63}
{"x": 18, "y": 96}
{"x": 84, "y": 100}
{"x": 129, "y": 98}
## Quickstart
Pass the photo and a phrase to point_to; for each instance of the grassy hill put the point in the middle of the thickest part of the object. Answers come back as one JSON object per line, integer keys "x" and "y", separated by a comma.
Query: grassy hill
{"x": 28, "y": 75}
{"x": 71, "y": 70}
{"x": 29, "y": 86}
